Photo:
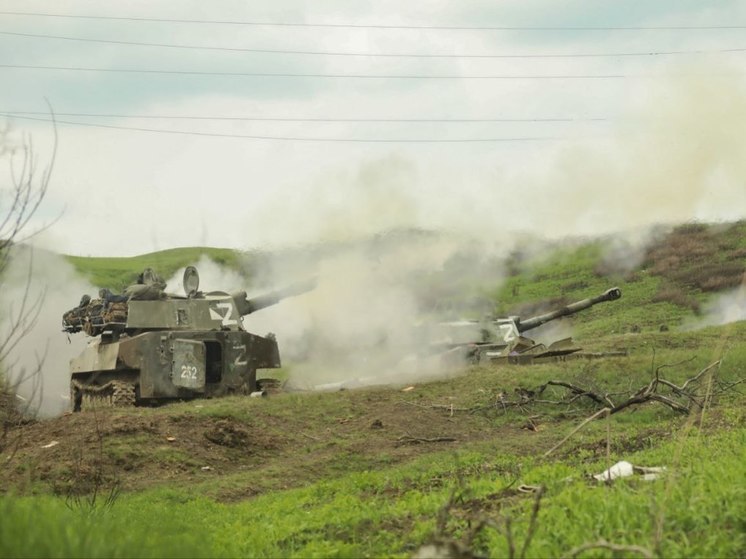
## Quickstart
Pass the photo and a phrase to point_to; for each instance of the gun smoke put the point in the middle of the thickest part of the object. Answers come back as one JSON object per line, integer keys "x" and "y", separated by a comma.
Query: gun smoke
{"x": 674, "y": 158}
{"x": 38, "y": 287}
{"x": 361, "y": 320}
{"x": 723, "y": 309}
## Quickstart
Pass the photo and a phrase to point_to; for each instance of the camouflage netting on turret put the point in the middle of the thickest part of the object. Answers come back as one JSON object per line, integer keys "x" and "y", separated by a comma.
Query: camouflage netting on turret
{"x": 93, "y": 317}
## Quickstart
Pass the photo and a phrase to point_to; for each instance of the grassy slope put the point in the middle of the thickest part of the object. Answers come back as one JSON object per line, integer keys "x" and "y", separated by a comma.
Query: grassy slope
{"x": 117, "y": 273}
{"x": 334, "y": 487}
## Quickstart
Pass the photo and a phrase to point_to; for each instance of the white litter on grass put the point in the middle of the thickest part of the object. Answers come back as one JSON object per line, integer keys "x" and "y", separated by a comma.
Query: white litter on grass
{"x": 625, "y": 469}
{"x": 50, "y": 445}
{"x": 620, "y": 469}
{"x": 649, "y": 474}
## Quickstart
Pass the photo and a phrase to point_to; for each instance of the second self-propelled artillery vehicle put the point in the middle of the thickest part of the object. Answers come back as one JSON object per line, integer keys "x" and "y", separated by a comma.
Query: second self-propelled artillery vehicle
{"x": 503, "y": 340}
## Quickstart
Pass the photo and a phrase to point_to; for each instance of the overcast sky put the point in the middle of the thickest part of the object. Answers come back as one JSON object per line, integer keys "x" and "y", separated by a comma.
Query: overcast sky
{"x": 650, "y": 132}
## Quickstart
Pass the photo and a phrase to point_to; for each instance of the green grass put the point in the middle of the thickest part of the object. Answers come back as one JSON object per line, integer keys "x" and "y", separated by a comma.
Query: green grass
{"x": 117, "y": 273}
{"x": 697, "y": 509}
{"x": 360, "y": 506}
{"x": 45, "y": 527}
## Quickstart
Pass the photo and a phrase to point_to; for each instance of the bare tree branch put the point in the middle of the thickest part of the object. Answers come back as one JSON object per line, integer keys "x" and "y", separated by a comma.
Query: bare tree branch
{"x": 20, "y": 200}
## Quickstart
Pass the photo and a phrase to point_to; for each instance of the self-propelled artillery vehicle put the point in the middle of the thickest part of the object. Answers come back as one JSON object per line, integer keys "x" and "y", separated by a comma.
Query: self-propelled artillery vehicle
{"x": 149, "y": 346}
{"x": 502, "y": 339}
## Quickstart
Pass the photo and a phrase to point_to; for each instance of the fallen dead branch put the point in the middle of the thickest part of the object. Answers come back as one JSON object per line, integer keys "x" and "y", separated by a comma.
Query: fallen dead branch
{"x": 409, "y": 439}
{"x": 689, "y": 400}
{"x": 447, "y": 407}
{"x": 577, "y": 392}
{"x": 682, "y": 399}
{"x": 685, "y": 398}
{"x": 616, "y": 548}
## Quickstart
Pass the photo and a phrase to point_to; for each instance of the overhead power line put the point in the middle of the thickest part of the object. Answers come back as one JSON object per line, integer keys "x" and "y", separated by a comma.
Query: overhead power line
{"x": 375, "y": 54}
{"x": 293, "y": 138}
{"x": 381, "y": 26}
{"x": 287, "y": 119}
{"x": 337, "y": 76}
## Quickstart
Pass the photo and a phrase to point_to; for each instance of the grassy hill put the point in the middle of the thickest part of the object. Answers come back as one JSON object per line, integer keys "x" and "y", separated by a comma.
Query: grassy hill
{"x": 467, "y": 462}
{"x": 117, "y": 273}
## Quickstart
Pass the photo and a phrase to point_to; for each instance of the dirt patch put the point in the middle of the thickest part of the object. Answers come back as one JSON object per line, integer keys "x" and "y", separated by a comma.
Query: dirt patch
{"x": 227, "y": 433}
{"x": 245, "y": 449}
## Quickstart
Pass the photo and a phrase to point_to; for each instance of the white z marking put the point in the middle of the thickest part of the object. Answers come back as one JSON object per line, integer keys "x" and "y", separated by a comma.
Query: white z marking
{"x": 240, "y": 359}
{"x": 508, "y": 332}
{"x": 225, "y": 315}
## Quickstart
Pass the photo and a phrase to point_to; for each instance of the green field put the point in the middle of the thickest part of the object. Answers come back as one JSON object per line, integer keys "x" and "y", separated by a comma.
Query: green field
{"x": 117, "y": 273}
{"x": 461, "y": 462}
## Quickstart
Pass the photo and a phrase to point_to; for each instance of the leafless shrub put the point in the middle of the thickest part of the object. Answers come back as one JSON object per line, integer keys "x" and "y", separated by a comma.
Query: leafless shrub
{"x": 443, "y": 545}
{"x": 91, "y": 486}
{"x": 20, "y": 200}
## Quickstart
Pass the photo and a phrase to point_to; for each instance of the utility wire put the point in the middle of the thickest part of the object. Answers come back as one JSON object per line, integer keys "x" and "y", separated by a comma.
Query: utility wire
{"x": 294, "y": 138}
{"x": 286, "y": 119}
{"x": 381, "y": 26}
{"x": 373, "y": 54}
{"x": 348, "y": 76}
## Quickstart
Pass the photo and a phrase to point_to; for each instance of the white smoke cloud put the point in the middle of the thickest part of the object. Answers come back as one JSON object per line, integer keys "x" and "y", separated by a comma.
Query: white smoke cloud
{"x": 723, "y": 309}
{"x": 37, "y": 363}
{"x": 212, "y": 277}
{"x": 362, "y": 319}
{"x": 674, "y": 158}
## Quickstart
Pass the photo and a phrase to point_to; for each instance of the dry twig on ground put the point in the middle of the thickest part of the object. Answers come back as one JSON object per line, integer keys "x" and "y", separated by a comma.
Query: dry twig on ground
{"x": 685, "y": 398}
{"x": 682, "y": 399}
{"x": 409, "y": 439}
{"x": 614, "y": 548}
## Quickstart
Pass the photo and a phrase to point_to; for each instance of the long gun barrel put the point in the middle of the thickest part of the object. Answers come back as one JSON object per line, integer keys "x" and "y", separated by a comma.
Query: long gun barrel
{"x": 609, "y": 295}
{"x": 247, "y": 306}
